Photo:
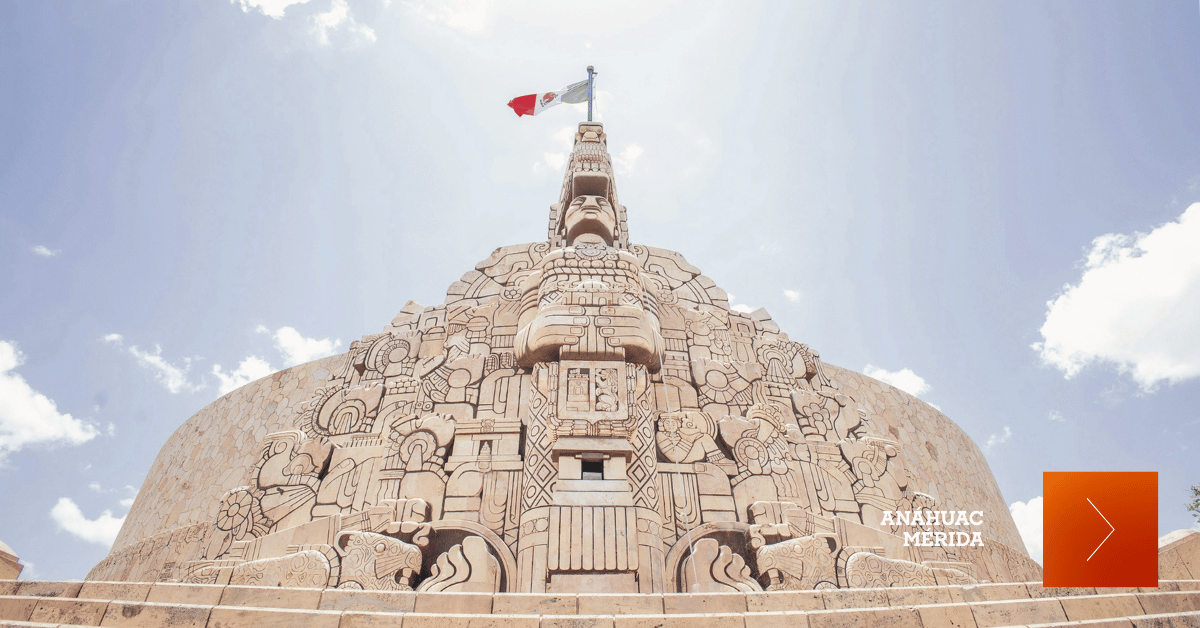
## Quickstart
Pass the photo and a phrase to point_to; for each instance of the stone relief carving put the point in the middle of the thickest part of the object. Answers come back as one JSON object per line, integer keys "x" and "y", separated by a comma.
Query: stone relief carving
{"x": 714, "y": 568}
{"x": 801, "y": 563}
{"x": 465, "y": 568}
{"x": 688, "y": 436}
{"x": 376, "y": 562}
{"x": 591, "y": 404}
{"x": 866, "y": 570}
{"x": 240, "y": 516}
{"x": 309, "y": 568}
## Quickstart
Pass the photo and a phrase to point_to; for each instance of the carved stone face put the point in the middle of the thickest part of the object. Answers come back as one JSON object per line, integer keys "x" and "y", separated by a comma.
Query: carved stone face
{"x": 590, "y": 219}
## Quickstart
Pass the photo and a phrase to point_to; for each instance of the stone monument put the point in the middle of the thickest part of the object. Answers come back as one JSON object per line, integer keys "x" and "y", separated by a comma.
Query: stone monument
{"x": 10, "y": 565}
{"x": 582, "y": 414}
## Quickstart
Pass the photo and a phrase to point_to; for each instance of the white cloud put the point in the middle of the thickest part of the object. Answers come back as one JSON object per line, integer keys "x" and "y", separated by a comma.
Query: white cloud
{"x": 478, "y": 17}
{"x": 99, "y": 488}
{"x": 1056, "y": 416}
{"x": 998, "y": 439}
{"x": 250, "y": 369}
{"x": 133, "y": 493}
{"x": 28, "y": 417}
{"x": 792, "y": 295}
{"x": 297, "y": 349}
{"x": 904, "y": 379}
{"x": 565, "y": 136}
{"x": 337, "y": 17}
{"x": 102, "y": 530}
{"x": 172, "y": 377}
{"x": 739, "y": 307}
{"x": 556, "y": 161}
{"x": 1134, "y": 307}
{"x": 44, "y": 252}
{"x": 363, "y": 32}
{"x": 1028, "y": 516}
{"x": 468, "y": 16}
{"x": 625, "y": 161}
{"x": 270, "y": 8}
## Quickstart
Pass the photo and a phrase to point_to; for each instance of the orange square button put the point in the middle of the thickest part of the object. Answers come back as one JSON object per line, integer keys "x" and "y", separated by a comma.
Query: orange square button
{"x": 1100, "y": 529}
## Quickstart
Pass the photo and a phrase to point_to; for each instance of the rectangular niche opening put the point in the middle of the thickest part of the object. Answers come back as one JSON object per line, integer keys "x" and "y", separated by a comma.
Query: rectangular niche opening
{"x": 592, "y": 469}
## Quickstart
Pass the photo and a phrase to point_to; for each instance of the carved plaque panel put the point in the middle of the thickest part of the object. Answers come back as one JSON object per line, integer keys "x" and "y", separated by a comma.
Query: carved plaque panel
{"x": 592, "y": 391}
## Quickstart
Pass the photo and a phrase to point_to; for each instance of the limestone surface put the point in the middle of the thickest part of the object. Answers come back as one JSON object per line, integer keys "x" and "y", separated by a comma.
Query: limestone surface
{"x": 581, "y": 415}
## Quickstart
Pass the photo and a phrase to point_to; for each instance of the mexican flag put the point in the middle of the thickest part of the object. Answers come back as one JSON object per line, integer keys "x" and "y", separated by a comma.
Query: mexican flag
{"x": 533, "y": 104}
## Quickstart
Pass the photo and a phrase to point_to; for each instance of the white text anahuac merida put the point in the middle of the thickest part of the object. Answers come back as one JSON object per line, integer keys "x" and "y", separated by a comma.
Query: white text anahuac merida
{"x": 937, "y": 538}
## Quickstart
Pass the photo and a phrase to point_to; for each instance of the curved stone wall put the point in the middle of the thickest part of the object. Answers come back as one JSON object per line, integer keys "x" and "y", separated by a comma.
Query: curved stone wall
{"x": 943, "y": 461}
{"x": 216, "y": 448}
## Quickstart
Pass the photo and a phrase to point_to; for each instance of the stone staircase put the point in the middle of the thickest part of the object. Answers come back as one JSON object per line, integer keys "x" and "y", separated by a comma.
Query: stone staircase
{"x": 1174, "y": 603}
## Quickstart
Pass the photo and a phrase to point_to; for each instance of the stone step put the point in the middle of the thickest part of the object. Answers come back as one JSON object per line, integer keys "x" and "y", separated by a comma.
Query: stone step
{"x": 215, "y": 606}
{"x": 1164, "y": 620}
{"x": 247, "y": 617}
{"x": 581, "y": 603}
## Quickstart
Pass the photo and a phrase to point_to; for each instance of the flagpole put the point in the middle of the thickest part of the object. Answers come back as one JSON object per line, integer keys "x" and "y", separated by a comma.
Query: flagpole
{"x": 591, "y": 83}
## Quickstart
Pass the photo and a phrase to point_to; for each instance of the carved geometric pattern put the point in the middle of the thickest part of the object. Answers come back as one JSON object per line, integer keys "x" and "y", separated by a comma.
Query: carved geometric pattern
{"x": 643, "y": 468}
{"x": 302, "y": 569}
{"x": 586, "y": 538}
{"x": 539, "y": 471}
{"x": 867, "y": 570}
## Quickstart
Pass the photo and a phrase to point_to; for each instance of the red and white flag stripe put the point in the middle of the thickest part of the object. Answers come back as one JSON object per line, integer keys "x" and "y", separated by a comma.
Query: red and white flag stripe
{"x": 533, "y": 104}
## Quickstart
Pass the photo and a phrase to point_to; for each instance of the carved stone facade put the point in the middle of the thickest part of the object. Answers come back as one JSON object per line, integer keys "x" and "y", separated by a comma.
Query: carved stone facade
{"x": 581, "y": 414}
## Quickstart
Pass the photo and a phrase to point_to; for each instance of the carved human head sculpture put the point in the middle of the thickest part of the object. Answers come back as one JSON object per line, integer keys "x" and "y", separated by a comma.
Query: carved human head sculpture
{"x": 590, "y": 220}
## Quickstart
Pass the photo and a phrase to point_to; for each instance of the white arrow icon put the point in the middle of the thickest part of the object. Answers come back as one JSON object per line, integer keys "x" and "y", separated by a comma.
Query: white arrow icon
{"x": 1089, "y": 558}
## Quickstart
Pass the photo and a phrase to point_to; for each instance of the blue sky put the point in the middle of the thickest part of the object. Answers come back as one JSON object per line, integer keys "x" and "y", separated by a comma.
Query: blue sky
{"x": 986, "y": 203}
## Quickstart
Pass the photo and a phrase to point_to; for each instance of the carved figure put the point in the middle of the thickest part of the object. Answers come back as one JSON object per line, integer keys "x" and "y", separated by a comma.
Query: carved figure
{"x": 288, "y": 475}
{"x": 376, "y": 562}
{"x": 590, "y": 216}
{"x": 799, "y": 564}
{"x": 687, "y": 436}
